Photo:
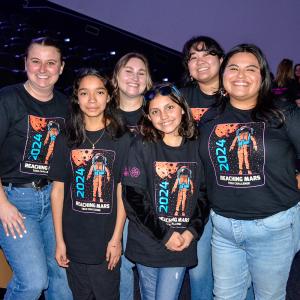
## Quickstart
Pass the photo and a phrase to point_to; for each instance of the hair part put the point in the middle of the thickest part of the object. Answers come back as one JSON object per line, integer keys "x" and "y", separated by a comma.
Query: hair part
{"x": 188, "y": 127}
{"x": 76, "y": 133}
{"x": 47, "y": 42}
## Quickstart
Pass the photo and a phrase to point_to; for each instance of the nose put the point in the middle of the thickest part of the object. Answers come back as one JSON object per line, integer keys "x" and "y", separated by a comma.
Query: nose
{"x": 240, "y": 73}
{"x": 42, "y": 68}
{"x": 135, "y": 76}
{"x": 163, "y": 115}
{"x": 92, "y": 97}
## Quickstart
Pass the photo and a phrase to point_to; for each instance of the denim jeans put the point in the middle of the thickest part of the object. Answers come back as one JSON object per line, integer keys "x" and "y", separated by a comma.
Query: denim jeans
{"x": 32, "y": 258}
{"x": 127, "y": 280}
{"x": 201, "y": 278}
{"x": 259, "y": 250}
{"x": 160, "y": 283}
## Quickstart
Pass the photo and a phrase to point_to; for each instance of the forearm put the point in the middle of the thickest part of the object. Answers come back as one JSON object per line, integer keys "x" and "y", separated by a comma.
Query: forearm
{"x": 57, "y": 202}
{"x": 121, "y": 216}
{"x": 3, "y": 198}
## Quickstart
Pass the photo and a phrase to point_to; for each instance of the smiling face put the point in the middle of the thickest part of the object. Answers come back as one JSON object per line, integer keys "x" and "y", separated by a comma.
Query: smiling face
{"x": 132, "y": 78}
{"x": 43, "y": 66}
{"x": 242, "y": 80}
{"x": 165, "y": 115}
{"x": 92, "y": 98}
{"x": 203, "y": 67}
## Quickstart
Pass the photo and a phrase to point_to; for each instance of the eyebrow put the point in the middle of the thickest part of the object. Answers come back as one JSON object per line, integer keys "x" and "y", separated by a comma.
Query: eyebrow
{"x": 99, "y": 88}
{"x": 235, "y": 65}
{"x": 129, "y": 67}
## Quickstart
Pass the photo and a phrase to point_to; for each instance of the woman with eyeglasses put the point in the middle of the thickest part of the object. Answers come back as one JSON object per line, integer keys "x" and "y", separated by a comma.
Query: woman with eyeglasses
{"x": 131, "y": 78}
{"x": 249, "y": 147}
{"x": 164, "y": 194}
{"x": 28, "y": 112}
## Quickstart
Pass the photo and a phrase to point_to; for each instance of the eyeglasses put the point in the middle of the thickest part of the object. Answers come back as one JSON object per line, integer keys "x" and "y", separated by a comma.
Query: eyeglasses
{"x": 164, "y": 90}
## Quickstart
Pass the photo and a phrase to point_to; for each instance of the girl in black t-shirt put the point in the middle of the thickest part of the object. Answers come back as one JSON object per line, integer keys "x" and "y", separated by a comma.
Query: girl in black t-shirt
{"x": 88, "y": 212}
{"x": 165, "y": 195}
{"x": 249, "y": 147}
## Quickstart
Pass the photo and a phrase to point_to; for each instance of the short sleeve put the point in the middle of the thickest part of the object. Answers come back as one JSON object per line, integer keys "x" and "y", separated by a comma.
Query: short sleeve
{"x": 60, "y": 161}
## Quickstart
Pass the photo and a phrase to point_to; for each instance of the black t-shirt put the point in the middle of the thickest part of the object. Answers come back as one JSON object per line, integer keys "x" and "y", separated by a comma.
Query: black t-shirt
{"x": 90, "y": 178}
{"x": 29, "y": 129}
{"x": 250, "y": 166}
{"x": 131, "y": 119}
{"x": 171, "y": 176}
{"x": 197, "y": 100}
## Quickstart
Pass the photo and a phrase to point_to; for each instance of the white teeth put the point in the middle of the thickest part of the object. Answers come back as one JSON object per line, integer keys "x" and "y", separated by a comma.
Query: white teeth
{"x": 202, "y": 69}
{"x": 133, "y": 84}
{"x": 239, "y": 83}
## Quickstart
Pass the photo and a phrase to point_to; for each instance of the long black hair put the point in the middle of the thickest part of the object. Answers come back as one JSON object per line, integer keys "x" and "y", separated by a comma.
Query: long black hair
{"x": 76, "y": 134}
{"x": 264, "y": 109}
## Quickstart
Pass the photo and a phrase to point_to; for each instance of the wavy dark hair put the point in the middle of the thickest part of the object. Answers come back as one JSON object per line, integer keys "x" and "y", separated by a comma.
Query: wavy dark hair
{"x": 75, "y": 133}
{"x": 264, "y": 109}
{"x": 188, "y": 127}
{"x": 199, "y": 43}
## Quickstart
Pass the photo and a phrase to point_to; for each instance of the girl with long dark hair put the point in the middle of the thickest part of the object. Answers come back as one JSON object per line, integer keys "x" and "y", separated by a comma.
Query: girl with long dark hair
{"x": 249, "y": 148}
{"x": 165, "y": 197}
{"x": 86, "y": 198}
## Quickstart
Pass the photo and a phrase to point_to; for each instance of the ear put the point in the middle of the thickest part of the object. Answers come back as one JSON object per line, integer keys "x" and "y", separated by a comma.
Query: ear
{"x": 148, "y": 116}
{"x": 108, "y": 99}
{"x": 25, "y": 60}
{"x": 182, "y": 111}
{"x": 221, "y": 60}
{"x": 62, "y": 67}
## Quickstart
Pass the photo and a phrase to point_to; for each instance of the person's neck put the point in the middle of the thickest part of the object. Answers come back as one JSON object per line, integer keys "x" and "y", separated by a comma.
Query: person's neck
{"x": 243, "y": 105}
{"x": 94, "y": 124}
{"x": 209, "y": 88}
{"x": 173, "y": 140}
{"x": 37, "y": 93}
{"x": 131, "y": 104}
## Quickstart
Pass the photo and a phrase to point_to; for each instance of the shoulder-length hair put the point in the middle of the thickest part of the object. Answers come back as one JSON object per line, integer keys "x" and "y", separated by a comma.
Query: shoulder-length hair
{"x": 264, "y": 109}
{"x": 199, "y": 43}
{"x": 188, "y": 127}
{"x": 76, "y": 133}
{"x": 284, "y": 72}
{"x": 121, "y": 63}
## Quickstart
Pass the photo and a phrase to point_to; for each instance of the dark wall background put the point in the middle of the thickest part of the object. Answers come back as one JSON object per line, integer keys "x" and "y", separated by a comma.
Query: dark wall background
{"x": 274, "y": 25}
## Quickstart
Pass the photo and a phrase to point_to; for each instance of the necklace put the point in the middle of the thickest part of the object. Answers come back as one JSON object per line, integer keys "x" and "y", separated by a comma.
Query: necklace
{"x": 98, "y": 139}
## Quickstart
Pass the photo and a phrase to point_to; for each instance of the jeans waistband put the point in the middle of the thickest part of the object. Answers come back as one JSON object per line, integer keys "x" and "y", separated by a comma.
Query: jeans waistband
{"x": 38, "y": 184}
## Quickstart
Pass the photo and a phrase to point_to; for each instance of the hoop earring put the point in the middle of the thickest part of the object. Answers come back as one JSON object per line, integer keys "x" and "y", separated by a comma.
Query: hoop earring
{"x": 223, "y": 92}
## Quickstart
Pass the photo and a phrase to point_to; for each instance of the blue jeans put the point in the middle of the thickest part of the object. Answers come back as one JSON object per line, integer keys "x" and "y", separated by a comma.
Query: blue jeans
{"x": 160, "y": 283}
{"x": 201, "y": 278}
{"x": 127, "y": 280}
{"x": 259, "y": 250}
{"x": 32, "y": 258}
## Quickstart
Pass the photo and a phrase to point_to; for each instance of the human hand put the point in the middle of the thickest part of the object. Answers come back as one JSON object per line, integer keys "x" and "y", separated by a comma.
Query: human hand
{"x": 61, "y": 255}
{"x": 175, "y": 242}
{"x": 188, "y": 238}
{"x": 113, "y": 253}
{"x": 12, "y": 220}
